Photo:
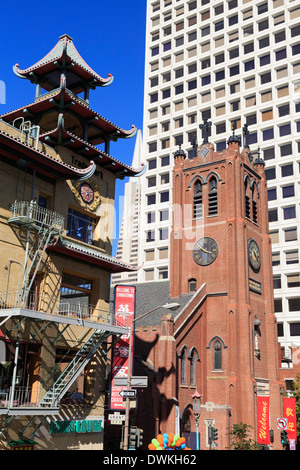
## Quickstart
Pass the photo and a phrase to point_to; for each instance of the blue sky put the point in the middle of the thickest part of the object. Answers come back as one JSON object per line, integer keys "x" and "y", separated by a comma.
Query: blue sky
{"x": 110, "y": 36}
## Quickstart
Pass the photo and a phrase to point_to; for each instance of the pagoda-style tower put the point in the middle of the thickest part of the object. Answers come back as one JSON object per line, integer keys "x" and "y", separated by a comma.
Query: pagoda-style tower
{"x": 60, "y": 115}
{"x": 56, "y": 232}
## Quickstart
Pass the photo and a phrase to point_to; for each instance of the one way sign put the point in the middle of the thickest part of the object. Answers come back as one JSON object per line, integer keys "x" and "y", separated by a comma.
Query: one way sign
{"x": 128, "y": 393}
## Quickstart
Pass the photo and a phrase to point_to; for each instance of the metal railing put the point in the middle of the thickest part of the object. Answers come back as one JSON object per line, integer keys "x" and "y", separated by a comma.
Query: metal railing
{"x": 47, "y": 304}
{"x": 31, "y": 212}
{"x": 20, "y": 397}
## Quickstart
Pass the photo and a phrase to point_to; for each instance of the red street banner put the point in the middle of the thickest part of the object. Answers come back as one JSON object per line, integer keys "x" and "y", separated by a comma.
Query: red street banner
{"x": 289, "y": 405}
{"x": 124, "y": 311}
{"x": 263, "y": 429}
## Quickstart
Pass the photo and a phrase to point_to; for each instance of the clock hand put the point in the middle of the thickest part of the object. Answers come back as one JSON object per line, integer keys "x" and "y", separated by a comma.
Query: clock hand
{"x": 203, "y": 249}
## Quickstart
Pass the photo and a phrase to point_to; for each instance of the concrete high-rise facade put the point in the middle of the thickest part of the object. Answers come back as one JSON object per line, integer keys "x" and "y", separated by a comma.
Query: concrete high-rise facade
{"x": 233, "y": 63}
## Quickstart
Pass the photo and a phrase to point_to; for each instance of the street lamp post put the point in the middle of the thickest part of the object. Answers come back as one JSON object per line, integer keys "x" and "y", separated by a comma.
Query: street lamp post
{"x": 171, "y": 306}
{"x": 197, "y": 411}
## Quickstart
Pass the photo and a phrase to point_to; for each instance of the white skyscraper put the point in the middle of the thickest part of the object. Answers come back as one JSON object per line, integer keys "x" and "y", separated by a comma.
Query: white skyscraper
{"x": 127, "y": 249}
{"x": 231, "y": 62}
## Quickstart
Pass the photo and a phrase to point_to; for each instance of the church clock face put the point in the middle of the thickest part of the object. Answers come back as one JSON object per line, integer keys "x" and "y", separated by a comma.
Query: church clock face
{"x": 205, "y": 251}
{"x": 253, "y": 255}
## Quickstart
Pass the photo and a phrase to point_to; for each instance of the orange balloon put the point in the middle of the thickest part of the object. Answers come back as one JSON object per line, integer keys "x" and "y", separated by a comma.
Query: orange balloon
{"x": 151, "y": 447}
{"x": 179, "y": 442}
{"x": 160, "y": 439}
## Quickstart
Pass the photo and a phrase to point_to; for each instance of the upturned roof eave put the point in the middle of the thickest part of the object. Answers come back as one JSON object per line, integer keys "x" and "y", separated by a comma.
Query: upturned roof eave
{"x": 89, "y": 151}
{"x": 14, "y": 149}
{"x": 81, "y": 108}
{"x": 91, "y": 255}
{"x": 65, "y": 53}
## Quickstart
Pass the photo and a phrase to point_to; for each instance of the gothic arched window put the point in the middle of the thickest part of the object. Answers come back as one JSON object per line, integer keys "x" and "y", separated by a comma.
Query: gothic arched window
{"x": 217, "y": 355}
{"x": 198, "y": 212}
{"x": 193, "y": 359}
{"x": 213, "y": 197}
{"x": 183, "y": 360}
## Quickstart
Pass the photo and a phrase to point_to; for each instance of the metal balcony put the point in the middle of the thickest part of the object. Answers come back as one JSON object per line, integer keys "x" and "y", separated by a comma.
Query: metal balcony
{"x": 31, "y": 214}
{"x": 49, "y": 308}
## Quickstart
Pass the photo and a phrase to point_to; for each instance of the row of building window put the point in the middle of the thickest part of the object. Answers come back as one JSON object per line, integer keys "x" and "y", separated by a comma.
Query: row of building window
{"x": 288, "y": 234}
{"x": 163, "y": 234}
{"x": 219, "y": 41}
{"x": 219, "y": 9}
{"x": 290, "y": 257}
{"x": 285, "y": 171}
{"x": 232, "y": 54}
{"x": 232, "y": 105}
{"x": 270, "y": 133}
{"x": 292, "y": 280}
{"x": 281, "y": 90}
{"x": 277, "y": 37}
{"x": 293, "y": 304}
{"x": 286, "y": 192}
{"x": 281, "y": 110}
{"x": 287, "y": 213}
{"x": 162, "y": 273}
{"x": 294, "y": 329}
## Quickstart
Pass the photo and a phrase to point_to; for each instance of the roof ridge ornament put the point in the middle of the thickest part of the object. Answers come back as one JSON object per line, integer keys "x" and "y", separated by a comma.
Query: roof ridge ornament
{"x": 258, "y": 160}
{"x": 180, "y": 152}
{"x": 233, "y": 137}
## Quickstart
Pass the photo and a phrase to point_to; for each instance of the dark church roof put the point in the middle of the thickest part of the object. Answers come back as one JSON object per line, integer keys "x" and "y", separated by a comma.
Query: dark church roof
{"x": 153, "y": 294}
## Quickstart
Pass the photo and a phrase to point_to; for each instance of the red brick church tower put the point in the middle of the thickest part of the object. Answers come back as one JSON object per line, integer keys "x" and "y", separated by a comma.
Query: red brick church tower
{"x": 221, "y": 251}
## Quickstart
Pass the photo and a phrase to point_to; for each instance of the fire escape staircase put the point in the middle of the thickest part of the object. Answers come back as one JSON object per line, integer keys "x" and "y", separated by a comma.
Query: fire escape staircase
{"x": 48, "y": 225}
{"x": 72, "y": 371}
{"x": 43, "y": 228}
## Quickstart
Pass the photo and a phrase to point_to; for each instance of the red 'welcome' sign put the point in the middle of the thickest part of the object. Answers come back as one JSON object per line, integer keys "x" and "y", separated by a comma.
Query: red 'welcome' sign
{"x": 124, "y": 311}
{"x": 263, "y": 429}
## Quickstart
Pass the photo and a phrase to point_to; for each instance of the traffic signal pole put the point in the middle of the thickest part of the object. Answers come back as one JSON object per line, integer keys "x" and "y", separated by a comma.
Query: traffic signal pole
{"x": 126, "y": 429}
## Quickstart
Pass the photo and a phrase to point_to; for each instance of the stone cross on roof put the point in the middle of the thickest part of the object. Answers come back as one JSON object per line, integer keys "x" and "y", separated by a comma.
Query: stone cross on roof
{"x": 204, "y": 127}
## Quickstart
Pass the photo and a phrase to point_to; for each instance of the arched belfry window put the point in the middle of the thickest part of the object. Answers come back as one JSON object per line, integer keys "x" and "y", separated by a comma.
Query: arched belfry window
{"x": 251, "y": 200}
{"x": 254, "y": 203}
{"x": 198, "y": 212}
{"x": 247, "y": 199}
{"x": 217, "y": 355}
{"x": 213, "y": 196}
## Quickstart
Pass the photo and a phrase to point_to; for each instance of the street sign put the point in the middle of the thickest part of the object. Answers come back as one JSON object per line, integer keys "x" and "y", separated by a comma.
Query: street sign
{"x": 116, "y": 421}
{"x": 282, "y": 424}
{"x": 128, "y": 393}
{"x": 136, "y": 381}
{"x": 116, "y": 416}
